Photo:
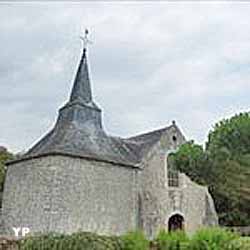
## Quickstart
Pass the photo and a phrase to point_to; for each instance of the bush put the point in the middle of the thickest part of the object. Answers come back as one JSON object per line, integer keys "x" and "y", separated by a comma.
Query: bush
{"x": 244, "y": 243}
{"x": 204, "y": 239}
{"x": 76, "y": 241}
{"x": 135, "y": 241}
{"x": 214, "y": 239}
{"x": 172, "y": 241}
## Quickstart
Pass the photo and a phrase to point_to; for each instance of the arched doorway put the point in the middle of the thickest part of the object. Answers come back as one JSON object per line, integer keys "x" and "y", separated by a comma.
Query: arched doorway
{"x": 176, "y": 222}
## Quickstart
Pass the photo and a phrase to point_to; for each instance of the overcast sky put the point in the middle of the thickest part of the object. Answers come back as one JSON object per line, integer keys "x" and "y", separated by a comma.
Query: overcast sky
{"x": 150, "y": 63}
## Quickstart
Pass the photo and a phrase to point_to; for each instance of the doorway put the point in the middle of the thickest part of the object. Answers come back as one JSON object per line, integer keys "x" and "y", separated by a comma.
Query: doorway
{"x": 176, "y": 222}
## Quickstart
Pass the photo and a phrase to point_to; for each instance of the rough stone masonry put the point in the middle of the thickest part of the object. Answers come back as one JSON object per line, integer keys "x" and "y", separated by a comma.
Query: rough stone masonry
{"x": 80, "y": 178}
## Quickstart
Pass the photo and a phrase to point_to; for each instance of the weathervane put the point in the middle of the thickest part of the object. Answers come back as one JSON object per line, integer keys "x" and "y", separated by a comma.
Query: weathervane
{"x": 85, "y": 39}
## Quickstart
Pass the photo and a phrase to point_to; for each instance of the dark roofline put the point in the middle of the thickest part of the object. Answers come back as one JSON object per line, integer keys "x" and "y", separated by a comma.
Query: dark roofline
{"x": 96, "y": 158}
{"x": 31, "y": 157}
{"x": 149, "y": 133}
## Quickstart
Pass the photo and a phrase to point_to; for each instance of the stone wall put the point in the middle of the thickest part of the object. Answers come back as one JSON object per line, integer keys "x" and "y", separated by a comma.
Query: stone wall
{"x": 160, "y": 202}
{"x": 156, "y": 203}
{"x": 65, "y": 194}
{"x": 7, "y": 243}
{"x": 195, "y": 205}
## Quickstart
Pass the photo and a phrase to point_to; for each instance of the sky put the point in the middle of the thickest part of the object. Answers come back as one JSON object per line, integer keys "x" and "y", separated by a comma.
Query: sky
{"x": 150, "y": 63}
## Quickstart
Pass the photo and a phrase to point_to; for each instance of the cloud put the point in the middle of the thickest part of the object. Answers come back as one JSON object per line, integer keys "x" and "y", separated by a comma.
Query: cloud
{"x": 150, "y": 63}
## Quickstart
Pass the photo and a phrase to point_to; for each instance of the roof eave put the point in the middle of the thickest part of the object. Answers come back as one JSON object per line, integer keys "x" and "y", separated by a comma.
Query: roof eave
{"x": 92, "y": 158}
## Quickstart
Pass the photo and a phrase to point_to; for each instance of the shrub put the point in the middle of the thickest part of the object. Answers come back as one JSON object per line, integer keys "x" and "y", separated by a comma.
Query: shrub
{"x": 76, "y": 241}
{"x": 135, "y": 241}
{"x": 172, "y": 241}
{"x": 214, "y": 239}
{"x": 204, "y": 239}
{"x": 244, "y": 243}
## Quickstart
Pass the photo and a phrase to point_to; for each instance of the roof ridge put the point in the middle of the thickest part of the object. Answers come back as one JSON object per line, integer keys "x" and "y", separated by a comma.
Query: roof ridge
{"x": 149, "y": 133}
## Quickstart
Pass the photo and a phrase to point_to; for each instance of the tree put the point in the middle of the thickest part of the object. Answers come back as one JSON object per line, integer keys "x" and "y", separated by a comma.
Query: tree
{"x": 224, "y": 166}
{"x": 229, "y": 148}
{"x": 189, "y": 159}
{"x": 231, "y": 134}
{"x": 4, "y": 157}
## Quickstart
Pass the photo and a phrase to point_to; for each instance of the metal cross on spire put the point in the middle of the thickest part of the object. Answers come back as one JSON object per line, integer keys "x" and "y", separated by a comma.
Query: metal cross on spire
{"x": 85, "y": 39}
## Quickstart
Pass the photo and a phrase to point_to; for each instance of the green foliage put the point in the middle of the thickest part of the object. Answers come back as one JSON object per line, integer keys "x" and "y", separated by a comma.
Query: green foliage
{"x": 190, "y": 158}
{"x": 204, "y": 239}
{"x": 243, "y": 243}
{"x": 224, "y": 166}
{"x": 76, "y": 241}
{"x": 214, "y": 239}
{"x": 135, "y": 241}
{"x": 172, "y": 241}
{"x": 4, "y": 157}
{"x": 232, "y": 134}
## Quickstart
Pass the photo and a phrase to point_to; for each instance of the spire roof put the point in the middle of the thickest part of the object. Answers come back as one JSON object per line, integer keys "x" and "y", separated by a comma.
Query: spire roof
{"x": 81, "y": 89}
{"x": 79, "y": 132}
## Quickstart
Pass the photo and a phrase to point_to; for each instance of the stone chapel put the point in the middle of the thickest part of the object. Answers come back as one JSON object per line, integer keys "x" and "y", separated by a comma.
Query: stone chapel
{"x": 79, "y": 178}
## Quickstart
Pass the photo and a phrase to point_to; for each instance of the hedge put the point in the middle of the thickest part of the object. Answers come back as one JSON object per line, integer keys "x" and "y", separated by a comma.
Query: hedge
{"x": 204, "y": 239}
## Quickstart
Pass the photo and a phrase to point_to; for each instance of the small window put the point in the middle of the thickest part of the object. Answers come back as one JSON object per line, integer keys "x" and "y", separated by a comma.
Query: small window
{"x": 173, "y": 178}
{"x": 174, "y": 138}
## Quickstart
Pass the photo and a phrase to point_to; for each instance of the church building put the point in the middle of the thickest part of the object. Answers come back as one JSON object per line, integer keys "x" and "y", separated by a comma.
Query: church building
{"x": 79, "y": 178}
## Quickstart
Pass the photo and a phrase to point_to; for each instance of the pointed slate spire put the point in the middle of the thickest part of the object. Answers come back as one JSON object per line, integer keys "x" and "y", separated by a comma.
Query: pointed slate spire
{"x": 82, "y": 90}
{"x": 81, "y": 109}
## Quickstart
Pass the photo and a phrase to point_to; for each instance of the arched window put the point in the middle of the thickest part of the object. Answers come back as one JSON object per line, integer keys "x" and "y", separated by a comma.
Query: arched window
{"x": 176, "y": 222}
{"x": 173, "y": 178}
{"x": 172, "y": 173}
